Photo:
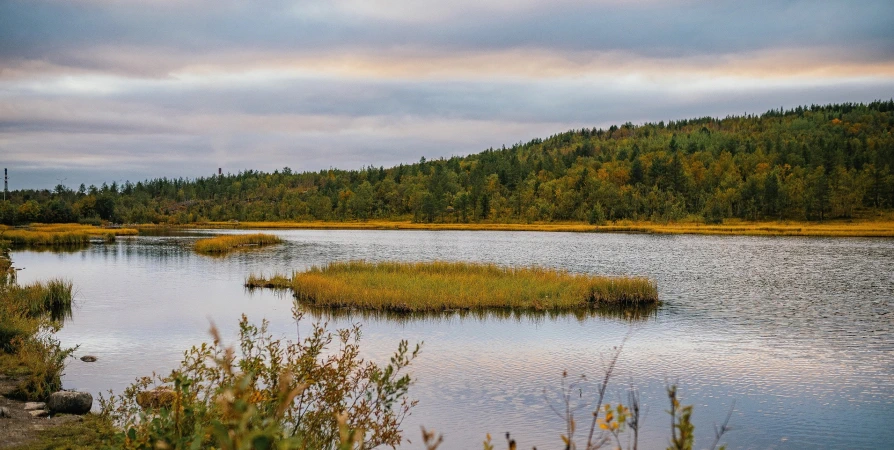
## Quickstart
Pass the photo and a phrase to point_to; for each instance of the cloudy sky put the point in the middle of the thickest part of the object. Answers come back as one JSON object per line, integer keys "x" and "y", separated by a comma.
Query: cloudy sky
{"x": 113, "y": 90}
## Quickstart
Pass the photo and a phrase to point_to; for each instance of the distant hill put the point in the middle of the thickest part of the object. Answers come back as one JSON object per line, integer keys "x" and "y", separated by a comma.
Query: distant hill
{"x": 808, "y": 163}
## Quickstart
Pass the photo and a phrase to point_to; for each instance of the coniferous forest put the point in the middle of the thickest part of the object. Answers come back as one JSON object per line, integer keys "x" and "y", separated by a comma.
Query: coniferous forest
{"x": 808, "y": 163}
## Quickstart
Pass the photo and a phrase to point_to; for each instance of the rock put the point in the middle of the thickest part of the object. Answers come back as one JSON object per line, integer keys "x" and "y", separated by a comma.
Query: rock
{"x": 33, "y": 406}
{"x": 88, "y": 358}
{"x": 38, "y": 413}
{"x": 4, "y": 412}
{"x": 160, "y": 397}
{"x": 70, "y": 402}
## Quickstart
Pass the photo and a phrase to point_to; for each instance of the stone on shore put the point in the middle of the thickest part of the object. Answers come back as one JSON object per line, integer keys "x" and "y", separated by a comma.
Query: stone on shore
{"x": 34, "y": 406}
{"x": 70, "y": 402}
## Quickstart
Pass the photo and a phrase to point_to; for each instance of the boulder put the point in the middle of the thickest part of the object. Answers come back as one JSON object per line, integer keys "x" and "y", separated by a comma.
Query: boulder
{"x": 88, "y": 358}
{"x": 70, "y": 402}
{"x": 4, "y": 412}
{"x": 37, "y": 413}
{"x": 160, "y": 397}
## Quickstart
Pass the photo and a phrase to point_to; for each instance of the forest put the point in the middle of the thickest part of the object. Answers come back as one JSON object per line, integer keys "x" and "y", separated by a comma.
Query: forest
{"x": 809, "y": 163}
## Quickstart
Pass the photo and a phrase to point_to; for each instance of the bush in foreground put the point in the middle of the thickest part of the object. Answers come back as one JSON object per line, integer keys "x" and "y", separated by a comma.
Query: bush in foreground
{"x": 275, "y": 394}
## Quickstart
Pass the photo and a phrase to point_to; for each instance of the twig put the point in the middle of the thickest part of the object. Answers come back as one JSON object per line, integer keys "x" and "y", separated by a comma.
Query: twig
{"x": 718, "y": 432}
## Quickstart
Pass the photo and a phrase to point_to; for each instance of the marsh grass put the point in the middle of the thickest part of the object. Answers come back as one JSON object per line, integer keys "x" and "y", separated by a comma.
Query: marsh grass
{"x": 29, "y": 317}
{"x": 61, "y": 234}
{"x": 223, "y": 244}
{"x": 871, "y": 227}
{"x": 445, "y": 286}
{"x": 275, "y": 281}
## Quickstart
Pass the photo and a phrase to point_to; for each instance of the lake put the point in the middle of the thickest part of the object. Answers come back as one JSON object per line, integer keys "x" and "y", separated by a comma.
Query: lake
{"x": 798, "y": 332}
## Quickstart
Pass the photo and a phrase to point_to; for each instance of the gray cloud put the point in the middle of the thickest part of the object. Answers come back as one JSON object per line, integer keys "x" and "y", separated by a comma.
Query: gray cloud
{"x": 64, "y": 32}
{"x": 101, "y": 90}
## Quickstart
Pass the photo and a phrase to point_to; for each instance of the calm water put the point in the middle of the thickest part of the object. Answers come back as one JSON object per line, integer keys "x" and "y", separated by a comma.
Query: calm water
{"x": 799, "y": 332}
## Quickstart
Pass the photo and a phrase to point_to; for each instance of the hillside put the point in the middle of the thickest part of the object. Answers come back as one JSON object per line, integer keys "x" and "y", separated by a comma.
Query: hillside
{"x": 809, "y": 163}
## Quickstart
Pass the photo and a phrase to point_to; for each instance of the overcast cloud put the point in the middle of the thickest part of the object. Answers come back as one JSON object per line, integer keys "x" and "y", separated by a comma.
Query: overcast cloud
{"x": 103, "y": 90}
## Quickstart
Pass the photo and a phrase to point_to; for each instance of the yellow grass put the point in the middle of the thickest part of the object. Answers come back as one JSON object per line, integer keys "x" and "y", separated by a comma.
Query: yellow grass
{"x": 439, "y": 286}
{"x": 275, "y": 281}
{"x": 861, "y": 228}
{"x": 223, "y": 244}
{"x": 61, "y": 234}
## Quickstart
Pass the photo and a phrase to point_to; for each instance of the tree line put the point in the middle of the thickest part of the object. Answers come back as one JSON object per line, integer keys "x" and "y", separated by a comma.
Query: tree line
{"x": 808, "y": 163}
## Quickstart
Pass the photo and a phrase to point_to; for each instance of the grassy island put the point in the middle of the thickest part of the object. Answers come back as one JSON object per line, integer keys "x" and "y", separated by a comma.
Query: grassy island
{"x": 68, "y": 234}
{"x": 222, "y": 244}
{"x": 438, "y": 286}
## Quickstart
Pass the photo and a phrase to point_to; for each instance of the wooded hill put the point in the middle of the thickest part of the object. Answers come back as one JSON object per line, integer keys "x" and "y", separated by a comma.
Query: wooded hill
{"x": 808, "y": 163}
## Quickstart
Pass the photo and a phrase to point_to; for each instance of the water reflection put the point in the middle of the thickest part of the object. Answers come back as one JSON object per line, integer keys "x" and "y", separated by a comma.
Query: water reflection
{"x": 640, "y": 314}
{"x": 74, "y": 248}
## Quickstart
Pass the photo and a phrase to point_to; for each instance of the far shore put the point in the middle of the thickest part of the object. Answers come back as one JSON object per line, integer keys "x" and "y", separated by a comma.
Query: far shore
{"x": 837, "y": 228}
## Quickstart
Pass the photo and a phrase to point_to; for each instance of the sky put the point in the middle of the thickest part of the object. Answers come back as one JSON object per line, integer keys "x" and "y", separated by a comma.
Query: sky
{"x": 96, "y": 91}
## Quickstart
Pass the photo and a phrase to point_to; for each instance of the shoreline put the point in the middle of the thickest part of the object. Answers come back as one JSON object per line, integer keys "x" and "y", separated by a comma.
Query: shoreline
{"x": 852, "y": 228}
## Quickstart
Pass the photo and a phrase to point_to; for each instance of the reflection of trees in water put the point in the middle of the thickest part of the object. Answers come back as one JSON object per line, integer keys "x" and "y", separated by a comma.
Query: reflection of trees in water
{"x": 51, "y": 248}
{"x": 631, "y": 314}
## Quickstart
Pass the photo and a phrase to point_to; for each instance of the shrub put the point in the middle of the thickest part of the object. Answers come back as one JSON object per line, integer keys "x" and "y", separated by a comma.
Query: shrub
{"x": 276, "y": 394}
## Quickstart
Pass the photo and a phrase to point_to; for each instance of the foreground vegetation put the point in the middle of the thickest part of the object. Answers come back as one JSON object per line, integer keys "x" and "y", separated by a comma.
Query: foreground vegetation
{"x": 807, "y": 163}
{"x": 302, "y": 395}
{"x": 223, "y": 244}
{"x": 438, "y": 286}
{"x": 312, "y": 394}
{"x": 37, "y": 234}
{"x": 29, "y": 317}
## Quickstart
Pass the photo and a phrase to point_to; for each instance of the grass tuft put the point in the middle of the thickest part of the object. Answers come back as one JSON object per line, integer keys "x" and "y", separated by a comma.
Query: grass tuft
{"x": 276, "y": 281}
{"x": 440, "y": 286}
{"x": 223, "y": 244}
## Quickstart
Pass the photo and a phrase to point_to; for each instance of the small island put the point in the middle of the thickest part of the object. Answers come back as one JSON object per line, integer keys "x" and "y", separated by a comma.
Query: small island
{"x": 442, "y": 286}
{"x": 223, "y": 244}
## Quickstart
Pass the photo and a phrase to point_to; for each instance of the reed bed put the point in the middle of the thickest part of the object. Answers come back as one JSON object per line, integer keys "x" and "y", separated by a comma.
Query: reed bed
{"x": 52, "y": 298}
{"x": 223, "y": 244}
{"x": 444, "y": 286}
{"x": 61, "y": 234}
{"x": 856, "y": 228}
